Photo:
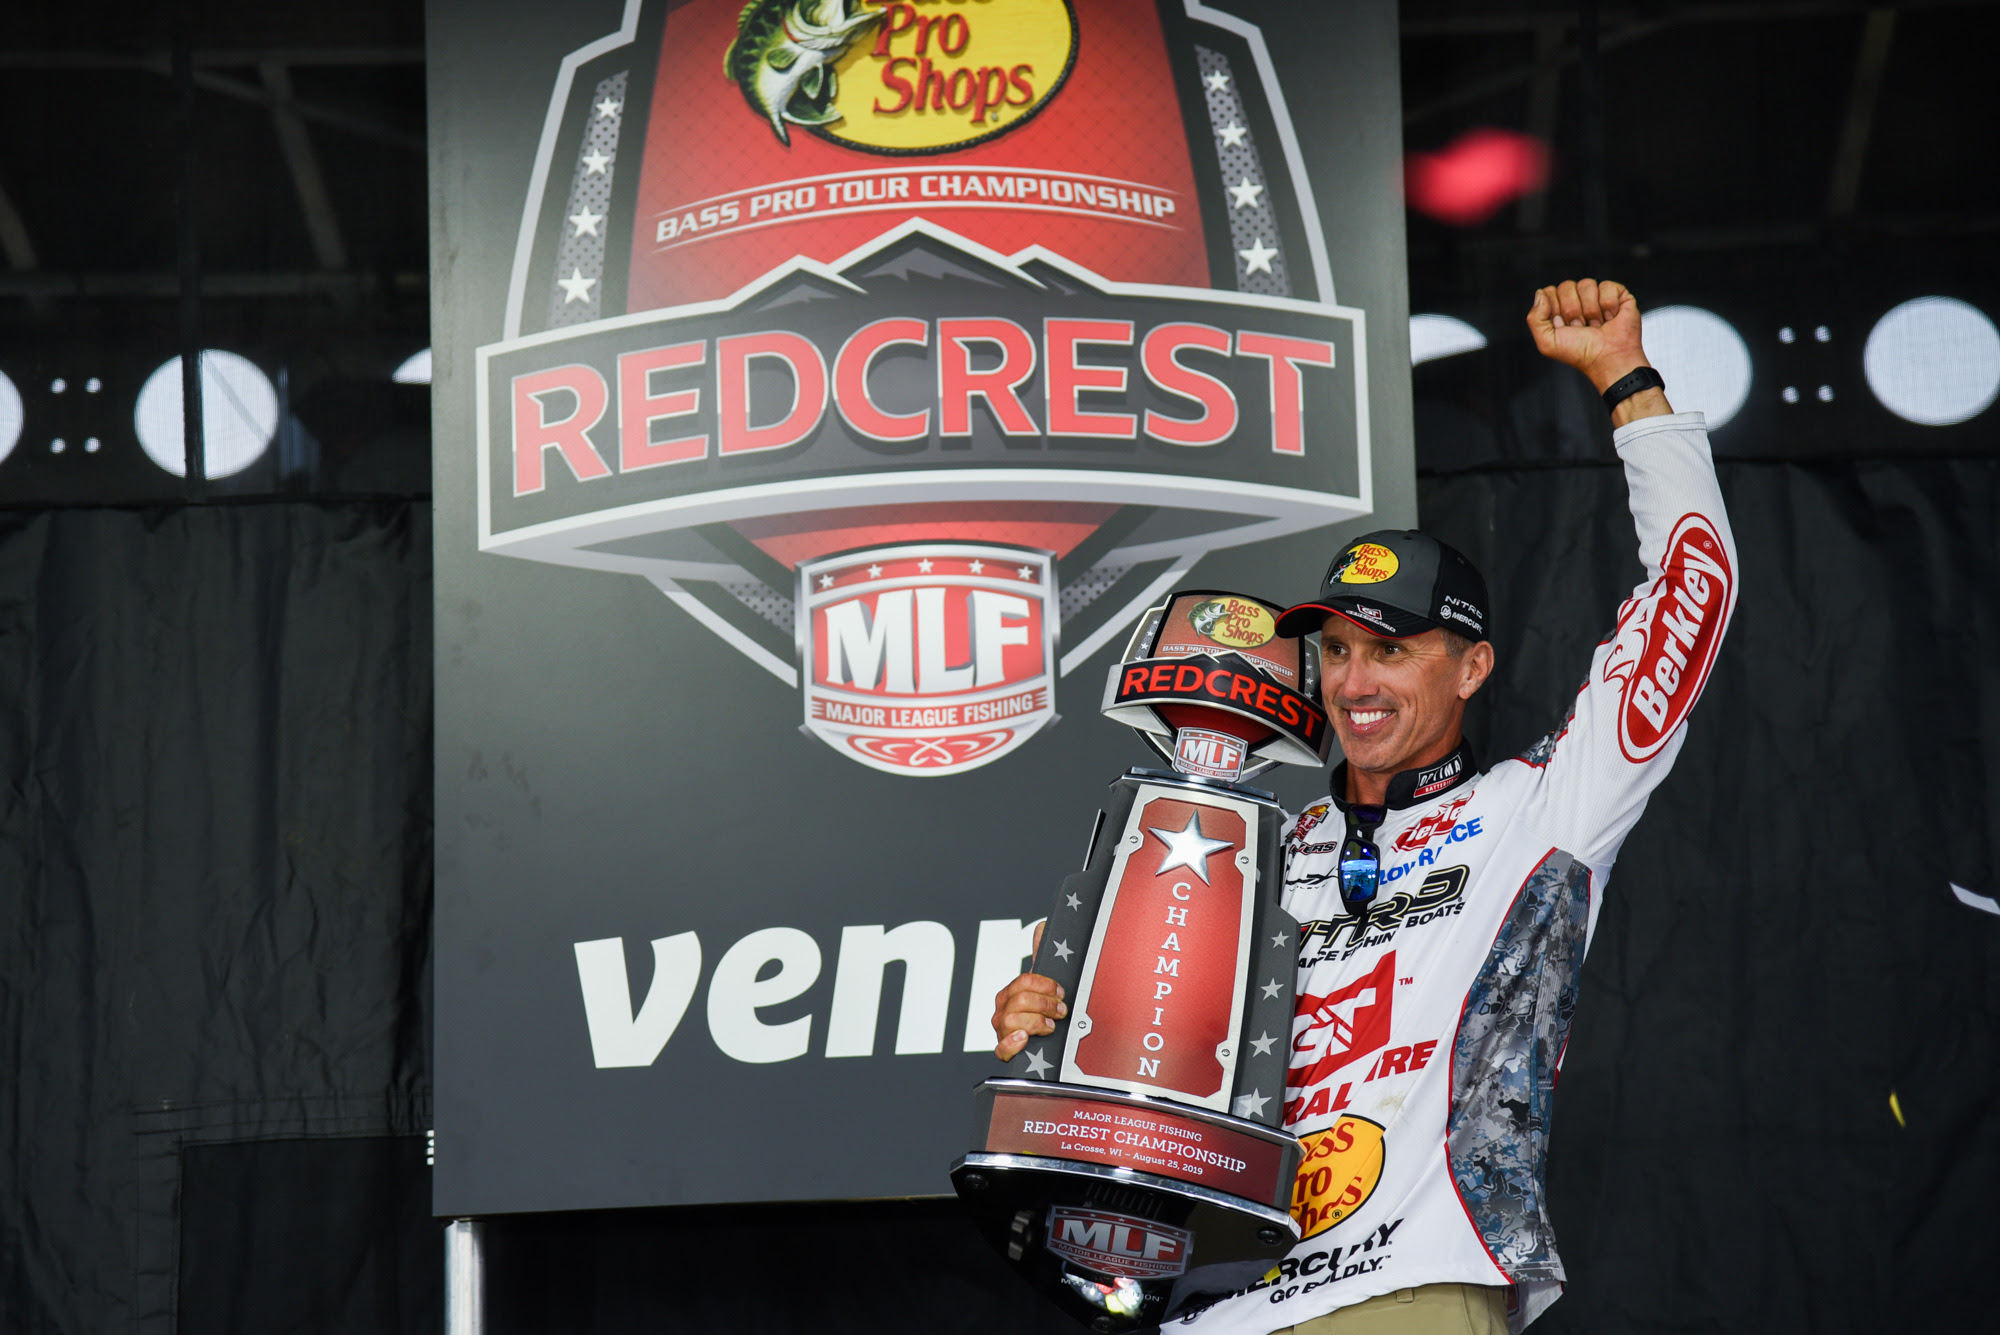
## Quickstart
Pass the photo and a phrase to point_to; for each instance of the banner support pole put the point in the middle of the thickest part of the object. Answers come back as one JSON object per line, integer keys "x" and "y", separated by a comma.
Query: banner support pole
{"x": 465, "y": 1277}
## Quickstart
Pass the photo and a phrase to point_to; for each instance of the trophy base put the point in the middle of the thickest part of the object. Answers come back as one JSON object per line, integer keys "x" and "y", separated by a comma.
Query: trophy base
{"x": 1122, "y": 1248}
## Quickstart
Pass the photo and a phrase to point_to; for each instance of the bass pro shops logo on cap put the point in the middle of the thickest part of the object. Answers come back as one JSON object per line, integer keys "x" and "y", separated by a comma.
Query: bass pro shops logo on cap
{"x": 915, "y": 435}
{"x": 1365, "y": 563}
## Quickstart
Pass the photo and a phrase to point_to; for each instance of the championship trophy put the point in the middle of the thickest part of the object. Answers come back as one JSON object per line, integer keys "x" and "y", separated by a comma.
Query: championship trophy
{"x": 1138, "y": 1162}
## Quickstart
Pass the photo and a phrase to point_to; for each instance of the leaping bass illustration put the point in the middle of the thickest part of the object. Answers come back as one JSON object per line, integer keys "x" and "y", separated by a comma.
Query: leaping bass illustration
{"x": 783, "y": 58}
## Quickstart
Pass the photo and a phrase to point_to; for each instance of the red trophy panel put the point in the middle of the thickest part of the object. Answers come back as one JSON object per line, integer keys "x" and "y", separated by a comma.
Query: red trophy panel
{"x": 1157, "y": 1012}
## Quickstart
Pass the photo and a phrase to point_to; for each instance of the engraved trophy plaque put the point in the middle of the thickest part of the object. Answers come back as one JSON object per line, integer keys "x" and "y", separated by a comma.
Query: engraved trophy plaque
{"x": 1138, "y": 1161}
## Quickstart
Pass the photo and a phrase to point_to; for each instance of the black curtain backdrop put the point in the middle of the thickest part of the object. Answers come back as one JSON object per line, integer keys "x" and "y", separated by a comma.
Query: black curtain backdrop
{"x": 214, "y": 936}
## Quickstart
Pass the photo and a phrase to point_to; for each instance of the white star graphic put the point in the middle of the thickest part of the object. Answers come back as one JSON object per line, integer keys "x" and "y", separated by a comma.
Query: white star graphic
{"x": 586, "y": 223}
{"x": 1262, "y": 1044}
{"x": 874, "y": 572}
{"x": 1247, "y": 193}
{"x": 1063, "y": 952}
{"x": 1272, "y": 988}
{"x": 1279, "y": 940}
{"x": 1218, "y": 81}
{"x": 1257, "y": 257}
{"x": 976, "y": 567}
{"x": 1232, "y": 134}
{"x": 609, "y": 108}
{"x": 1187, "y": 848}
{"x": 924, "y": 565}
{"x": 575, "y": 287}
{"x": 1074, "y": 902}
{"x": 826, "y": 581}
{"x": 595, "y": 163}
{"x": 1250, "y": 1105}
{"x": 1038, "y": 1064}
{"x": 1026, "y": 572}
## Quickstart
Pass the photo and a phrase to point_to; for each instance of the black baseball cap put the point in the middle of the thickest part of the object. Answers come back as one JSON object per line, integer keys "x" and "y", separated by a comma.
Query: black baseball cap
{"x": 1398, "y": 583}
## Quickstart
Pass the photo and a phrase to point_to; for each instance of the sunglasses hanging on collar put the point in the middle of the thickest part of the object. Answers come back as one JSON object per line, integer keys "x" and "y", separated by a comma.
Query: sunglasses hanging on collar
{"x": 1361, "y": 861}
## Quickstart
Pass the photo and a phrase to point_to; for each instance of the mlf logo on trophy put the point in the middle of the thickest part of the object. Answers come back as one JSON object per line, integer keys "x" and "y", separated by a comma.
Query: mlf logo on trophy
{"x": 1140, "y": 1162}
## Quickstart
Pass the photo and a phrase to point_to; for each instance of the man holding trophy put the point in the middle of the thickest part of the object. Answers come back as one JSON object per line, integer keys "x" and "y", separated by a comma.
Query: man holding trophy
{"x": 1442, "y": 912}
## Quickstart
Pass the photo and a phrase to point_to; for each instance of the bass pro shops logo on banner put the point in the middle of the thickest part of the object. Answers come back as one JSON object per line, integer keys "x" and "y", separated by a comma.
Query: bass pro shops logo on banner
{"x": 914, "y": 349}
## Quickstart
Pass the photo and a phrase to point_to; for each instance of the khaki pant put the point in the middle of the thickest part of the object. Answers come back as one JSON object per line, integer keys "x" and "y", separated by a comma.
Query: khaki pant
{"x": 1434, "y": 1309}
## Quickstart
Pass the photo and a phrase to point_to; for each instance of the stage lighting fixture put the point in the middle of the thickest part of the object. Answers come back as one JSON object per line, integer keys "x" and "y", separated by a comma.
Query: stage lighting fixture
{"x": 239, "y": 414}
{"x": 1435, "y": 336}
{"x": 415, "y": 370}
{"x": 11, "y": 416}
{"x": 1791, "y": 394}
{"x": 1786, "y": 335}
{"x": 1704, "y": 360}
{"x": 1934, "y": 361}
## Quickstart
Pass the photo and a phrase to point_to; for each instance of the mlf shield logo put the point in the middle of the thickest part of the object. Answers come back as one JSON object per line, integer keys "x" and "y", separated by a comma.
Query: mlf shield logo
{"x": 928, "y": 658}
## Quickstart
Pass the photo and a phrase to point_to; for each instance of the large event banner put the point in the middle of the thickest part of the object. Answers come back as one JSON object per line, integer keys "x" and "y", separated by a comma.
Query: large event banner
{"x": 823, "y": 389}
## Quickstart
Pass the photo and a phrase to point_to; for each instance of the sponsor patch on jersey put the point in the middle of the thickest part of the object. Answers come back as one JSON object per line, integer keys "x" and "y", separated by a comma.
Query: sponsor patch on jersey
{"x": 1118, "y": 1244}
{"x": 1337, "y": 1173}
{"x": 1667, "y": 638}
{"x": 1342, "y": 1026}
{"x": 1439, "y": 776}
{"x": 1367, "y": 563}
{"x": 1430, "y": 827}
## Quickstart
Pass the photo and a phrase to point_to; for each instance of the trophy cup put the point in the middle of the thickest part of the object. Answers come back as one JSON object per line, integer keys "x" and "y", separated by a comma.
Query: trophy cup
{"x": 1138, "y": 1161}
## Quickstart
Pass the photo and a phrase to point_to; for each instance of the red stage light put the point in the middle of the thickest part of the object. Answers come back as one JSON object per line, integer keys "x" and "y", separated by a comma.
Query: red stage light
{"x": 1471, "y": 179}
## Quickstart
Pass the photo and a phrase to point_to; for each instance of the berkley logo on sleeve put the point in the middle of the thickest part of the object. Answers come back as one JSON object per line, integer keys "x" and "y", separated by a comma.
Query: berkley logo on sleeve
{"x": 1666, "y": 640}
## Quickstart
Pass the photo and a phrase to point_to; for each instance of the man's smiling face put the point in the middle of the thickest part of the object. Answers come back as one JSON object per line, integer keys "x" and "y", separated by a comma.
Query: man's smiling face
{"x": 1397, "y": 704}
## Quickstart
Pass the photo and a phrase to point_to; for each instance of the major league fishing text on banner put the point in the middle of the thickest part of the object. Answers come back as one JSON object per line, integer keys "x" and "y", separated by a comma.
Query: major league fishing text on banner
{"x": 831, "y": 385}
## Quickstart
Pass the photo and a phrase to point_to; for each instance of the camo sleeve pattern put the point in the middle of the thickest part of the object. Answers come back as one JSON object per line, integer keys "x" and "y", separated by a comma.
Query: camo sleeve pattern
{"x": 1503, "y": 1067}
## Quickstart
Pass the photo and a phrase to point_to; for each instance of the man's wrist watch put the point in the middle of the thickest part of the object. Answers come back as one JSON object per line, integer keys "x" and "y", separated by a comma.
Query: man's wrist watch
{"x": 1626, "y": 386}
